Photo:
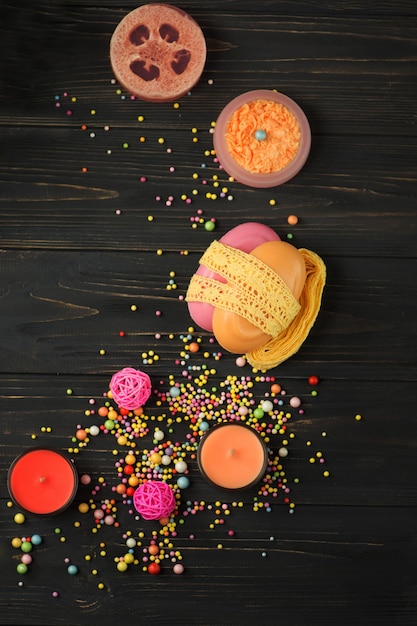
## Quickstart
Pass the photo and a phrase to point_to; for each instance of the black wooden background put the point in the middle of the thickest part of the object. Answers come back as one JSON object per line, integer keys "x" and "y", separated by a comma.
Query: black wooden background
{"x": 78, "y": 251}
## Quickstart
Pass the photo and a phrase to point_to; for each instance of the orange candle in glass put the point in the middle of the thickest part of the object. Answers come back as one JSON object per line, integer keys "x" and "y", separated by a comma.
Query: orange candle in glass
{"x": 42, "y": 481}
{"x": 232, "y": 456}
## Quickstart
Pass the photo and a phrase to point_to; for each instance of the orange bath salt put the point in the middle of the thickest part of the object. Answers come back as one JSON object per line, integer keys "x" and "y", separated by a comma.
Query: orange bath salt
{"x": 280, "y": 131}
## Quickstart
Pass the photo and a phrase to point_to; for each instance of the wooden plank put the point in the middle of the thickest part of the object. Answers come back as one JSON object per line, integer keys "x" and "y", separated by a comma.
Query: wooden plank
{"x": 354, "y": 452}
{"x": 335, "y": 192}
{"x": 60, "y": 309}
{"x": 301, "y": 58}
{"x": 307, "y": 555}
{"x": 342, "y": 523}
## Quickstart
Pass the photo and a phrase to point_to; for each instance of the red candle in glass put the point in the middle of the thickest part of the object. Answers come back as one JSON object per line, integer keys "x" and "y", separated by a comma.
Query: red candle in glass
{"x": 42, "y": 481}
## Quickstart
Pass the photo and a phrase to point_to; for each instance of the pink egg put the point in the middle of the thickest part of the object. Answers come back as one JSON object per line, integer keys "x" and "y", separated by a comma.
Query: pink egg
{"x": 245, "y": 237}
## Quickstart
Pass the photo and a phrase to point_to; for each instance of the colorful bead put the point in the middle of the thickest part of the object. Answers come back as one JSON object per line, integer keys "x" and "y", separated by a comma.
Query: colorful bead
{"x": 154, "y": 569}
{"x": 260, "y": 134}
{"x": 22, "y": 568}
{"x": 183, "y": 482}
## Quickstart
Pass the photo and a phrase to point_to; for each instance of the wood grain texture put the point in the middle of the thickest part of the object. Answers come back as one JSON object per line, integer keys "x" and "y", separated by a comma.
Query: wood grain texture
{"x": 78, "y": 249}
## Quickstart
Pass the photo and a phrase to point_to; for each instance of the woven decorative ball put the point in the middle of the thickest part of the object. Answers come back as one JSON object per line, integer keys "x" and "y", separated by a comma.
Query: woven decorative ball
{"x": 154, "y": 500}
{"x": 130, "y": 388}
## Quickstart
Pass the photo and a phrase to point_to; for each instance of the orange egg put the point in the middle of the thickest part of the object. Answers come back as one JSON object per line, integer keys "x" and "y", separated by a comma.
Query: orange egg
{"x": 236, "y": 334}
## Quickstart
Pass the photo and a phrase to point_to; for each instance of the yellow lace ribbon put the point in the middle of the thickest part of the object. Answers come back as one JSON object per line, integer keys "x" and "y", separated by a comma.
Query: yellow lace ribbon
{"x": 288, "y": 342}
{"x": 259, "y": 295}
{"x": 253, "y": 290}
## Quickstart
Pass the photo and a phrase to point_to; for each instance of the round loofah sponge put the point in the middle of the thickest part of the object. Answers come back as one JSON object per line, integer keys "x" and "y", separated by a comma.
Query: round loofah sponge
{"x": 158, "y": 52}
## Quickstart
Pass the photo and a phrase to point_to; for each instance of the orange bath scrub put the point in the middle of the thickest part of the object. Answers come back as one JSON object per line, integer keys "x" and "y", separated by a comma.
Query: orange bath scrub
{"x": 279, "y": 131}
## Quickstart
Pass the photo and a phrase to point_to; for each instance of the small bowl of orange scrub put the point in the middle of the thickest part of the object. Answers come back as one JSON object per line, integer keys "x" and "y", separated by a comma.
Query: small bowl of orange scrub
{"x": 262, "y": 138}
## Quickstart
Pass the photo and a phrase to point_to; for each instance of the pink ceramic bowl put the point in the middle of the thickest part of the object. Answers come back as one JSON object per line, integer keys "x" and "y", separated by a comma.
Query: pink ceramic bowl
{"x": 243, "y": 175}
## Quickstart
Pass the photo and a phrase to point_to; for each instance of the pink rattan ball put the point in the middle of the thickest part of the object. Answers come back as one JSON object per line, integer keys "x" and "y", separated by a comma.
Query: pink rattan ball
{"x": 154, "y": 500}
{"x": 130, "y": 388}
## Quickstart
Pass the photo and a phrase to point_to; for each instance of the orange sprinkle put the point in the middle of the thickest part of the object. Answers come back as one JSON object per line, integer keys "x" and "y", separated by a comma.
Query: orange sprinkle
{"x": 81, "y": 434}
{"x": 281, "y": 143}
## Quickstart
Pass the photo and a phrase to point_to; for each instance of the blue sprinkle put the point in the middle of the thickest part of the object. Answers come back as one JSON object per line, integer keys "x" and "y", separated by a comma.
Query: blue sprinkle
{"x": 36, "y": 540}
{"x": 260, "y": 135}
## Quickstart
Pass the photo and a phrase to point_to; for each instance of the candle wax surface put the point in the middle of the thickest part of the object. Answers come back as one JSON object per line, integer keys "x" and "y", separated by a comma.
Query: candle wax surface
{"x": 232, "y": 456}
{"x": 42, "y": 481}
